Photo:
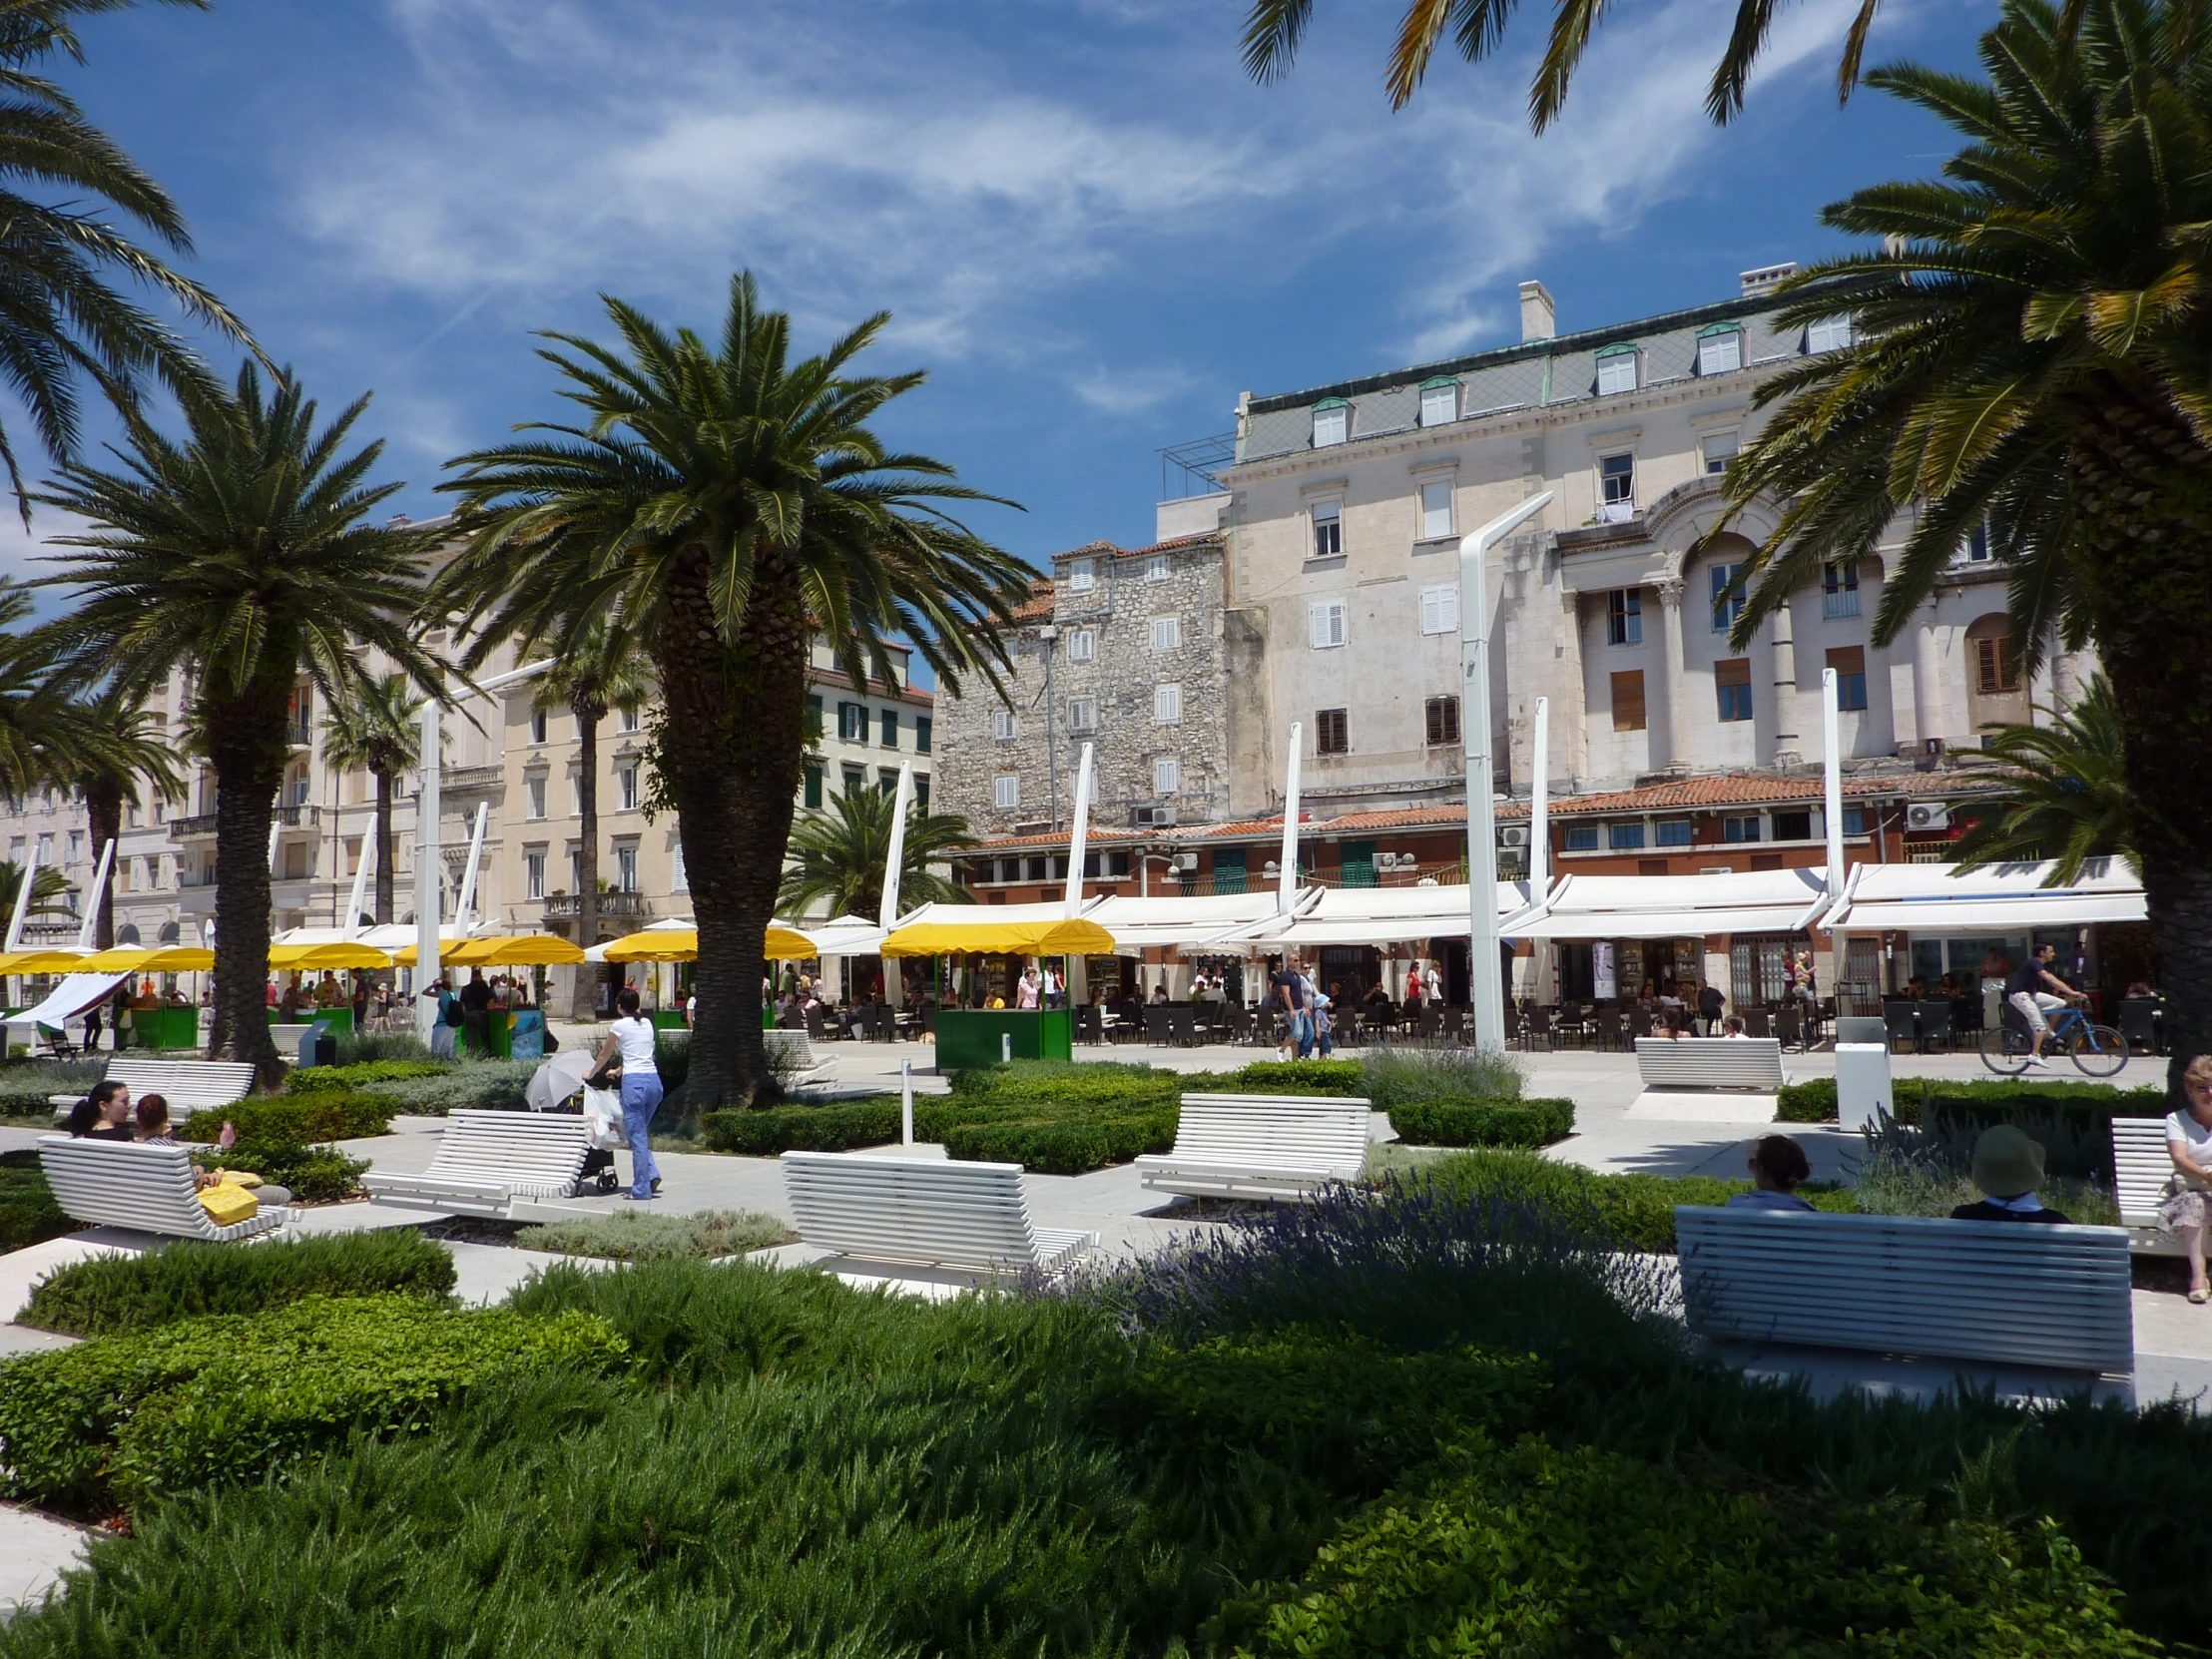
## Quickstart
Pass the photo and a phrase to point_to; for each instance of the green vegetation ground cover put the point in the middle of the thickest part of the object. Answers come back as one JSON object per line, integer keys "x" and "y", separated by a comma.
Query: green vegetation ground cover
{"x": 26, "y": 1084}
{"x": 324, "y": 1115}
{"x": 629, "y": 1236}
{"x": 28, "y": 1213}
{"x": 2072, "y": 1120}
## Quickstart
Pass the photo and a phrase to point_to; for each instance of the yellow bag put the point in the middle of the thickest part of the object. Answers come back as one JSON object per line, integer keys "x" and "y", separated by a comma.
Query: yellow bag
{"x": 241, "y": 1178}
{"x": 226, "y": 1204}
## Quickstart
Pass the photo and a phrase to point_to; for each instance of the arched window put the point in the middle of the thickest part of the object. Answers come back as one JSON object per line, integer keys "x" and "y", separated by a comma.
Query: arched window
{"x": 126, "y": 934}
{"x": 169, "y": 933}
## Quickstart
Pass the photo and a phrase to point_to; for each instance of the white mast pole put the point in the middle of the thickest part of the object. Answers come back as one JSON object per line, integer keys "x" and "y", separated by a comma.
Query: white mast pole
{"x": 1539, "y": 806}
{"x": 1081, "y": 834}
{"x": 465, "y": 914}
{"x": 895, "y": 866}
{"x": 22, "y": 900}
{"x": 91, "y": 923}
{"x": 360, "y": 875}
{"x": 428, "y": 856}
{"x": 1286, "y": 891}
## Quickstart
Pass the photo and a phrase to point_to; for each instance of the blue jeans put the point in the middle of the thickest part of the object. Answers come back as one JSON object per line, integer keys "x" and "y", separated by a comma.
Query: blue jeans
{"x": 640, "y": 1098}
{"x": 1302, "y": 1024}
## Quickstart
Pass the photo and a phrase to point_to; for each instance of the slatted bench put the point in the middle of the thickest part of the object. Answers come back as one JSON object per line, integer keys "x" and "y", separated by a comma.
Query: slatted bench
{"x": 134, "y": 1184}
{"x": 924, "y": 1212}
{"x": 1736, "y": 1079}
{"x": 1264, "y": 1146}
{"x": 187, "y": 1085}
{"x": 2050, "y": 1300}
{"x": 2142, "y": 1168}
{"x": 486, "y": 1161}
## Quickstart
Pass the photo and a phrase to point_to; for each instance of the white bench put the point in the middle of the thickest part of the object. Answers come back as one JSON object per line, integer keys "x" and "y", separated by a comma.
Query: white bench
{"x": 926, "y": 1212}
{"x": 1997, "y": 1293}
{"x": 487, "y": 1160}
{"x": 1721, "y": 1079}
{"x": 2142, "y": 1168}
{"x": 134, "y": 1184}
{"x": 1267, "y": 1146}
{"x": 187, "y": 1085}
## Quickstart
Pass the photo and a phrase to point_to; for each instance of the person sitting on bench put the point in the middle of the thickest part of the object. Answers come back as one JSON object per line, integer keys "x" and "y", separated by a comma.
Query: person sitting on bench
{"x": 154, "y": 1130}
{"x": 2007, "y": 1167}
{"x": 2187, "y": 1206}
{"x": 103, "y": 1115}
{"x": 1778, "y": 1168}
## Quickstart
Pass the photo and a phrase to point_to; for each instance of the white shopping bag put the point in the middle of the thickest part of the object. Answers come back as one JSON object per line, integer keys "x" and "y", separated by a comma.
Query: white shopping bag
{"x": 602, "y": 1119}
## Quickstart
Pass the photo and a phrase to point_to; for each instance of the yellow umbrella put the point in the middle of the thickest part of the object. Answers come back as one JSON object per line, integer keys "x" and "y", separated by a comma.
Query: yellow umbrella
{"x": 681, "y": 945}
{"x": 514, "y": 950}
{"x": 336, "y": 954}
{"x": 1028, "y": 938}
{"x": 139, "y": 958}
{"x": 41, "y": 961}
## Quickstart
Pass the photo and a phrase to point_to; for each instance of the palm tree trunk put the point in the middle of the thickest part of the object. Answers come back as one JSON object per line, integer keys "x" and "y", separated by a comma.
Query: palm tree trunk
{"x": 385, "y": 852}
{"x": 104, "y": 817}
{"x": 2143, "y": 489}
{"x": 587, "y": 715}
{"x": 245, "y": 743}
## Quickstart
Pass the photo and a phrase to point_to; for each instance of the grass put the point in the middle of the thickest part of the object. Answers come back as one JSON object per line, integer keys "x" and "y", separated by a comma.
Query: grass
{"x": 626, "y": 1237}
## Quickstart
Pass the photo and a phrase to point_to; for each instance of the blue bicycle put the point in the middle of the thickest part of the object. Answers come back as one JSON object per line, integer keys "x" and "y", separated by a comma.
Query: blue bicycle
{"x": 2096, "y": 1050}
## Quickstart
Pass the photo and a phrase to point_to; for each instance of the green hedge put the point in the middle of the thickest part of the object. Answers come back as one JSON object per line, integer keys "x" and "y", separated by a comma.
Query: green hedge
{"x": 333, "y": 1116}
{"x": 119, "y": 1418}
{"x": 1812, "y": 1101}
{"x": 323, "y": 1079}
{"x": 1333, "y": 1077}
{"x": 833, "y": 1128}
{"x": 465, "y": 1086}
{"x": 28, "y": 1213}
{"x": 25, "y": 1085}
{"x": 1526, "y": 1123}
{"x": 312, "y": 1174}
{"x": 191, "y": 1279}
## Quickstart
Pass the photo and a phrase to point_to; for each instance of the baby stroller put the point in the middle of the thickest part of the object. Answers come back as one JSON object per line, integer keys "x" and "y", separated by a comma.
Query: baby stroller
{"x": 558, "y": 1086}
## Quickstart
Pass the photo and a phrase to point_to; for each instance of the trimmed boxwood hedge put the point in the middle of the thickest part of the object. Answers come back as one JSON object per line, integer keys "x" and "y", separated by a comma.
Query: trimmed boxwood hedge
{"x": 324, "y": 1079}
{"x": 834, "y": 1128}
{"x": 1814, "y": 1100}
{"x": 28, "y": 1213}
{"x": 1526, "y": 1123}
{"x": 339, "y": 1115}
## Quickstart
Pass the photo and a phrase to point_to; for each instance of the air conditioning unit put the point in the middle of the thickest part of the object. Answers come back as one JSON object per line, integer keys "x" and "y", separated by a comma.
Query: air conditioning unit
{"x": 1927, "y": 815}
{"x": 1184, "y": 862}
{"x": 1513, "y": 834}
{"x": 1153, "y": 817}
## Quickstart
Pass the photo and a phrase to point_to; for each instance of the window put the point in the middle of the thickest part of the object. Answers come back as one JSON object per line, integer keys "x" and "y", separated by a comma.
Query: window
{"x": 1977, "y": 550}
{"x": 1327, "y": 620}
{"x": 1082, "y": 714}
{"x": 1616, "y": 371}
{"x": 1793, "y": 827}
{"x": 1329, "y": 421}
{"x": 1331, "y": 736}
{"x": 538, "y": 719}
{"x": 1854, "y": 821}
{"x": 1167, "y": 633}
{"x": 1082, "y": 575}
{"x": 533, "y": 873}
{"x": 1839, "y": 588}
{"x": 1082, "y": 647}
{"x": 1581, "y": 838}
{"x": 1167, "y": 704}
{"x": 534, "y": 786}
{"x": 855, "y": 780}
{"x": 1732, "y": 682}
{"x": 887, "y": 781}
{"x": 921, "y": 791}
{"x": 1439, "y": 401}
{"x": 76, "y": 846}
{"x": 626, "y": 866}
{"x": 853, "y": 723}
{"x": 1830, "y": 334}
{"x": 1443, "y": 719}
{"x": 1849, "y": 663}
{"x": 1719, "y": 350}
{"x": 1727, "y": 607}
{"x": 1628, "y": 701}
{"x": 1625, "y": 837}
{"x": 922, "y": 728}
{"x": 1674, "y": 831}
{"x": 1007, "y": 791}
{"x": 1166, "y": 774}
{"x": 630, "y": 719}
{"x": 1003, "y": 726}
{"x": 1231, "y": 870}
{"x": 1719, "y": 449}
{"x": 575, "y": 867}
{"x": 1744, "y": 828}
{"x": 1436, "y": 511}
{"x": 626, "y": 786}
{"x": 1439, "y": 610}
{"x": 1624, "y": 617}
{"x": 1329, "y": 529}
{"x": 1616, "y": 489}
{"x": 1156, "y": 568}
{"x": 814, "y": 709}
{"x": 1995, "y": 670}
{"x": 679, "y": 878}
{"x": 813, "y": 787}
{"x": 1036, "y": 869}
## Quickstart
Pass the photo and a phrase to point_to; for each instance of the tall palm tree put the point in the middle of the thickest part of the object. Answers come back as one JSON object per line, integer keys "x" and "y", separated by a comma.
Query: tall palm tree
{"x": 729, "y": 505}
{"x": 30, "y": 701}
{"x": 62, "y": 320}
{"x": 376, "y": 730}
{"x": 598, "y": 669}
{"x": 108, "y": 744}
{"x": 2033, "y": 341}
{"x": 838, "y": 853}
{"x": 49, "y": 890}
{"x": 2063, "y": 791}
{"x": 245, "y": 554}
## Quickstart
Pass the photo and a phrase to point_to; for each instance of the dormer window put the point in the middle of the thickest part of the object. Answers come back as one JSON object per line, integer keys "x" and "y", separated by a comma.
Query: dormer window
{"x": 1830, "y": 334}
{"x": 1082, "y": 575}
{"x": 1720, "y": 349}
{"x": 1332, "y": 419}
{"x": 1616, "y": 370}
{"x": 1439, "y": 401}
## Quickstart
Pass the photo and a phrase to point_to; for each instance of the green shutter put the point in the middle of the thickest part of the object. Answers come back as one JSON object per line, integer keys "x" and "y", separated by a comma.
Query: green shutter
{"x": 814, "y": 786}
{"x": 1231, "y": 869}
{"x": 1359, "y": 864}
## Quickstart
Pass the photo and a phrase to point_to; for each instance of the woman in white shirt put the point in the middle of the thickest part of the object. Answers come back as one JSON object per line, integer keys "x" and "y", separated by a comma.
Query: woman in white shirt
{"x": 2188, "y": 1205}
{"x": 631, "y": 1036}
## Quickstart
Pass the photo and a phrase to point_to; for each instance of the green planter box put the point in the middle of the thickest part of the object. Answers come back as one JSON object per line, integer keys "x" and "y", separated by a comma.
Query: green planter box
{"x": 668, "y": 1019}
{"x": 164, "y": 1028}
{"x": 339, "y": 1021}
{"x": 971, "y": 1037}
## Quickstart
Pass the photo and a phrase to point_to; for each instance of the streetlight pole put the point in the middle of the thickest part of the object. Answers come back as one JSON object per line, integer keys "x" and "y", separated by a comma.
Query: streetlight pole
{"x": 1483, "y": 989}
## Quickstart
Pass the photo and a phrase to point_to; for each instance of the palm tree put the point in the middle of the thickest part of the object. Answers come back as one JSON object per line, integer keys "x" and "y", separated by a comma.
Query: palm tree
{"x": 2063, "y": 791}
{"x": 600, "y": 669}
{"x": 61, "y": 320}
{"x": 376, "y": 730}
{"x": 729, "y": 505}
{"x": 49, "y": 890}
{"x": 2032, "y": 353}
{"x": 107, "y": 745}
{"x": 29, "y": 700}
{"x": 839, "y": 852}
{"x": 243, "y": 554}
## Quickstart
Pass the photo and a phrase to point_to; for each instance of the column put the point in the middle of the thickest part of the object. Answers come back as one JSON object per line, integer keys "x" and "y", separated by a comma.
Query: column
{"x": 1785, "y": 751}
{"x": 1676, "y": 750}
{"x": 1928, "y": 688}
{"x": 2065, "y": 676}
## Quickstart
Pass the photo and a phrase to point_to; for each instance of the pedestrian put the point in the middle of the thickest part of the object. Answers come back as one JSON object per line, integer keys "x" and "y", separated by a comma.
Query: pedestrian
{"x": 1289, "y": 985}
{"x": 1027, "y": 996}
{"x": 1709, "y": 1002}
{"x": 631, "y": 1037}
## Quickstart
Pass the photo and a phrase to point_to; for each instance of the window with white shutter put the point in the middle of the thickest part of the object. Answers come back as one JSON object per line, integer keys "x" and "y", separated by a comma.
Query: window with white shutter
{"x": 1167, "y": 633}
{"x": 1330, "y": 421}
{"x": 1082, "y": 646}
{"x": 1327, "y": 620}
{"x": 1166, "y": 704}
{"x": 1436, "y": 511}
{"x": 1082, "y": 713}
{"x": 1082, "y": 575}
{"x": 1167, "y": 776}
{"x": 1003, "y": 727}
{"x": 1439, "y": 610}
{"x": 1007, "y": 791}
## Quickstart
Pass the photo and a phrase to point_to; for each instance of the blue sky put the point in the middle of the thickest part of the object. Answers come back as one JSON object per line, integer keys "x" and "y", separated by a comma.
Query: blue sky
{"x": 1093, "y": 231}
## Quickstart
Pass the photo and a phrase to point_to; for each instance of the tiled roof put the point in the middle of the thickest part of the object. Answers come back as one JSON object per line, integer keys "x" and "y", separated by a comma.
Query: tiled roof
{"x": 1038, "y": 606}
{"x": 1107, "y": 549}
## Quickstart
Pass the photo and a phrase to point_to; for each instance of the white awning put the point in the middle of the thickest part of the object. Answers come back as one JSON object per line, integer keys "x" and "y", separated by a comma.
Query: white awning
{"x": 71, "y": 998}
{"x": 1381, "y": 915}
{"x": 1169, "y": 922}
{"x": 1998, "y": 898}
{"x": 843, "y": 936}
{"x": 1677, "y": 906}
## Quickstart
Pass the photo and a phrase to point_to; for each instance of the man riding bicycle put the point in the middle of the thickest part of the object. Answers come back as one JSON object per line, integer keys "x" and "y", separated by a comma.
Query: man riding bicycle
{"x": 2025, "y": 994}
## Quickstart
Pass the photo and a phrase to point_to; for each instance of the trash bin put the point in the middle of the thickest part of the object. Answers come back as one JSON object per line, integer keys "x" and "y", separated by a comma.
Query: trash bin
{"x": 1862, "y": 1083}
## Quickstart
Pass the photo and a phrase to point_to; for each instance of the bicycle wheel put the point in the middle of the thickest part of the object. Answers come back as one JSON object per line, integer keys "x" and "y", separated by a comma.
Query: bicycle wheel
{"x": 2004, "y": 1051}
{"x": 2098, "y": 1050}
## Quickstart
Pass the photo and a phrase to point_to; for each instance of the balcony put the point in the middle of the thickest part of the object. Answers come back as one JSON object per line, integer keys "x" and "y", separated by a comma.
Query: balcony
{"x": 300, "y": 735}
{"x": 300, "y": 816}
{"x": 470, "y": 778}
{"x": 197, "y": 828}
{"x": 562, "y": 906}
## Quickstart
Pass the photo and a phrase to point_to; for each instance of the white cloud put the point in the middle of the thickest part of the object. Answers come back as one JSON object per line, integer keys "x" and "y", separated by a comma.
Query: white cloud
{"x": 1131, "y": 392}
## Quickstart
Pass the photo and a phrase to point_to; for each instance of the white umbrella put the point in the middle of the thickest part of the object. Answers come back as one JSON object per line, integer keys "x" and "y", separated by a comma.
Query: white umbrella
{"x": 559, "y": 1078}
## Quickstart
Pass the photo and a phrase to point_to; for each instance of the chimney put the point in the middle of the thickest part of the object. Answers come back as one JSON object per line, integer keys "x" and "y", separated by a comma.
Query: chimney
{"x": 1537, "y": 318}
{"x": 1766, "y": 277}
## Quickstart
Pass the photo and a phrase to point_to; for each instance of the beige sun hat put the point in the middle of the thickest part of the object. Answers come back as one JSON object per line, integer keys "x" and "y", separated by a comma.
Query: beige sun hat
{"x": 2006, "y": 1163}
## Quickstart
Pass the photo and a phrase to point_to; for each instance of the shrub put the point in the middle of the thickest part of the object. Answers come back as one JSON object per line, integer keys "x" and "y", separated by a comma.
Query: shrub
{"x": 671, "y": 1059}
{"x": 1812, "y": 1101}
{"x": 313, "y": 1174}
{"x": 190, "y": 1279}
{"x": 1988, "y": 1100}
{"x": 1527, "y": 1123}
{"x": 323, "y": 1079}
{"x": 361, "y": 1047}
{"x": 1337, "y": 1077}
{"x": 28, "y": 1213}
{"x": 337, "y": 1115}
{"x": 837, "y": 1127}
{"x": 466, "y": 1085}
{"x": 119, "y": 1418}
{"x": 25, "y": 1084}
{"x": 630, "y": 1237}
{"x": 1394, "y": 1077}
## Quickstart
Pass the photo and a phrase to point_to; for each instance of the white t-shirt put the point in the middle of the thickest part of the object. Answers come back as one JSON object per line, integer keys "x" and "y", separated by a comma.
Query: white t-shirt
{"x": 636, "y": 1039}
{"x": 2195, "y": 1139}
